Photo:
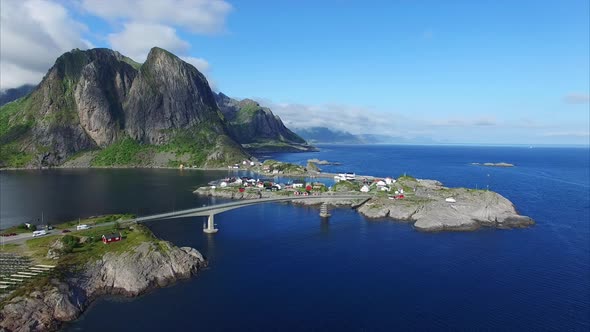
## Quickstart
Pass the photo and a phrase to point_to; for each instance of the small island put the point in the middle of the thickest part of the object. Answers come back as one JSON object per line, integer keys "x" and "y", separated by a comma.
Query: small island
{"x": 52, "y": 278}
{"x": 427, "y": 204}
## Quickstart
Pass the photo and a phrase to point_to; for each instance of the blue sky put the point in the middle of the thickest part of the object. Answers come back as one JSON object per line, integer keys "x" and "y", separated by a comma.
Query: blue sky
{"x": 506, "y": 72}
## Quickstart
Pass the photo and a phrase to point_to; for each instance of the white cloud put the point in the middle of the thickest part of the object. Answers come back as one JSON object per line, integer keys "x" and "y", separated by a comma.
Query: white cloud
{"x": 353, "y": 119}
{"x": 136, "y": 40}
{"x": 132, "y": 43}
{"x": 198, "y": 16}
{"x": 577, "y": 98}
{"x": 149, "y": 23}
{"x": 33, "y": 33}
{"x": 454, "y": 122}
{"x": 201, "y": 64}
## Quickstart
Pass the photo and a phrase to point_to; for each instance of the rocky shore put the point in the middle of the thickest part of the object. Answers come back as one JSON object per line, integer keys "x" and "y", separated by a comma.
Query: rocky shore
{"x": 133, "y": 272}
{"x": 426, "y": 204}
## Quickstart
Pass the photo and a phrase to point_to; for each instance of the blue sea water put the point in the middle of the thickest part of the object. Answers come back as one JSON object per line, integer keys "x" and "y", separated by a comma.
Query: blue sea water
{"x": 278, "y": 267}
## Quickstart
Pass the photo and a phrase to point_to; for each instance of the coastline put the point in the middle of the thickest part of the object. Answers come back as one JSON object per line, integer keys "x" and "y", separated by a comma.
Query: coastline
{"x": 425, "y": 204}
{"x": 47, "y": 303}
{"x": 257, "y": 171}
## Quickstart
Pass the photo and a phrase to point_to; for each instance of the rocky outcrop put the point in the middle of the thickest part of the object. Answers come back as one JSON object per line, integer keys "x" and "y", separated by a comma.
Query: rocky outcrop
{"x": 148, "y": 266}
{"x": 257, "y": 126}
{"x": 168, "y": 94}
{"x": 42, "y": 310}
{"x": 428, "y": 205}
{"x": 152, "y": 267}
{"x": 430, "y": 211}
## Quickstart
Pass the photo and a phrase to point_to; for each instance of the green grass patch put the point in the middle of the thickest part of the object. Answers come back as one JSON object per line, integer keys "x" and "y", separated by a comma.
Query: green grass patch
{"x": 96, "y": 220}
{"x": 247, "y": 112}
{"x": 136, "y": 65}
{"x": 346, "y": 186}
{"x": 85, "y": 246}
{"x": 38, "y": 247}
{"x": 123, "y": 153}
{"x": 406, "y": 177}
{"x": 8, "y": 111}
{"x": 11, "y": 248}
{"x": 287, "y": 168}
{"x": 20, "y": 229}
{"x": 196, "y": 146}
{"x": 93, "y": 248}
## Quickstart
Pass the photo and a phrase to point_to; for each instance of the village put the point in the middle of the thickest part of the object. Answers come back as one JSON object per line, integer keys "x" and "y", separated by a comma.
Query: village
{"x": 308, "y": 181}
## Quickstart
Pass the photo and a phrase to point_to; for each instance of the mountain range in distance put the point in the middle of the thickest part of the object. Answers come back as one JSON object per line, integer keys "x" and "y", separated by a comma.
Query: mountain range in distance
{"x": 324, "y": 135}
{"x": 100, "y": 108}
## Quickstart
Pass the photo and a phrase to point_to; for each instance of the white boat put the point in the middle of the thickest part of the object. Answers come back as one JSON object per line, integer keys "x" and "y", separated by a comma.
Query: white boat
{"x": 451, "y": 200}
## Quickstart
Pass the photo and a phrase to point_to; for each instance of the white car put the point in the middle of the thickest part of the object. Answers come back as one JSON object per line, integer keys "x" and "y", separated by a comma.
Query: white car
{"x": 39, "y": 233}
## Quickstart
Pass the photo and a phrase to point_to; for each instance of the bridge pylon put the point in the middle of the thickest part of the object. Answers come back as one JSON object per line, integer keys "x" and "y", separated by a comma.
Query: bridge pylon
{"x": 210, "y": 229}
{"x": 324, "y": 211}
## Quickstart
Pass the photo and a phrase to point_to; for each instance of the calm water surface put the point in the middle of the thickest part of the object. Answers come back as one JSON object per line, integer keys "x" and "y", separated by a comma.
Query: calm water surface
{"x": 279, "y": 267}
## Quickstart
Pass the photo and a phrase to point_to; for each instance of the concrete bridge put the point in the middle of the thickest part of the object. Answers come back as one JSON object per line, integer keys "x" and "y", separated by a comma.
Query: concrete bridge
{"x": 211, "y": 210}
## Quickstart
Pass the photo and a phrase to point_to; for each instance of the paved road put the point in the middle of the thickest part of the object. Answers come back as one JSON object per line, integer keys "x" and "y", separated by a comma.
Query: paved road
{"x": 201, "y": 211}
{"x": 218, "y": 208}
{"x": 21, "y": 238}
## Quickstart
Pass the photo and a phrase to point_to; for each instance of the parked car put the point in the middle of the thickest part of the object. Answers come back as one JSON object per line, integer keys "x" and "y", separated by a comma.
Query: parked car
{"x": 66, "y": 231}
{"x": 39, "y": 233}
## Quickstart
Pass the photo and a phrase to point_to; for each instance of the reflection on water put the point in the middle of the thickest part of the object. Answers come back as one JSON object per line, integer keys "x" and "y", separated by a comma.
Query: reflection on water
{"x": 69, "y": 194}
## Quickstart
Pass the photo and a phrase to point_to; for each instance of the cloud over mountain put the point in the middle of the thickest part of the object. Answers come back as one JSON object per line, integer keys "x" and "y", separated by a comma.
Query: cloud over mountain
{"x": 32, "y": 34}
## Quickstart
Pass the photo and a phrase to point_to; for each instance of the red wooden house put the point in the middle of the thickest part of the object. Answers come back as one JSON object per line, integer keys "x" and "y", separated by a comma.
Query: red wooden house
{"x": 113, "y": 237}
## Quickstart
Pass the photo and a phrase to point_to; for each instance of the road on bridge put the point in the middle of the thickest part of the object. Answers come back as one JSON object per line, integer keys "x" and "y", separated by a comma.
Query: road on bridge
{"x": 201, "y": 211}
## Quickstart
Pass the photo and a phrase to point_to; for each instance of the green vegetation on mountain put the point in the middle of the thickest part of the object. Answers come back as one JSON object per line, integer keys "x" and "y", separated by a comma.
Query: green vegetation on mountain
{"x": 257, "y": 128}
{"x": 121, "y": 153}
{"x": 100, "y": 108}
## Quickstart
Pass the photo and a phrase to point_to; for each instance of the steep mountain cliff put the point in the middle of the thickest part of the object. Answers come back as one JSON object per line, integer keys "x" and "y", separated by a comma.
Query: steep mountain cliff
{"x": 114, "y": 111}
{"x": 257, "y": 128}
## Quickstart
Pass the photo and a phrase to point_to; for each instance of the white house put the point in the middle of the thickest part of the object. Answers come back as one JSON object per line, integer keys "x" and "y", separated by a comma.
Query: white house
{"x": 223, "y": 184}
{"x": 389, "y": 180}
{"x": 381, "y": 183}
{"x": 365, "y": 189}
{"x": 384, "y": 188}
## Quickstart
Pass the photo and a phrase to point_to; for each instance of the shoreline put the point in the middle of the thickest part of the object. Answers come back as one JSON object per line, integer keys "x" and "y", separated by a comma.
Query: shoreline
{"x": 426, "y": 204}
{"x": 257, "y": 171}
{"x": 46, "y": 303}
